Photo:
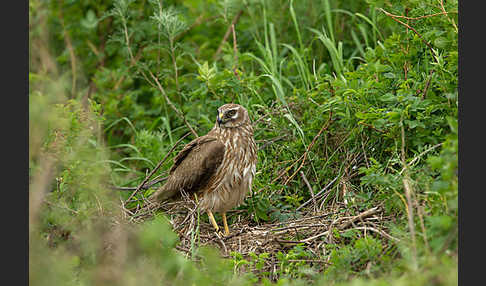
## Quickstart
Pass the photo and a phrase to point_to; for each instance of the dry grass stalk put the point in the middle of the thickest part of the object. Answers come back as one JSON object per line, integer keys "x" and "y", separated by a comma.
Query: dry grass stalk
{"x": 39, "y": 187}
{"x": 321, "y": 192}
{"x": 235, "y": 52}
{"x": 408, "y": 194}
{"x": 114, "y": 253}
{"x": 69, "y": 45}
{"x": 420, "y": 212}
{"x": 314, "y": 204}
{"x": 447, "y": 15}
{"x": 226, "y": 35}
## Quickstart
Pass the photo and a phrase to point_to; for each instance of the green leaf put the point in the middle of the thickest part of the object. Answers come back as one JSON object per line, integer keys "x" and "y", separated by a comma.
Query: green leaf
{"x": 90, "y": 21}
{"x": 441, "y": 42}
{"x": 389, "y": 75}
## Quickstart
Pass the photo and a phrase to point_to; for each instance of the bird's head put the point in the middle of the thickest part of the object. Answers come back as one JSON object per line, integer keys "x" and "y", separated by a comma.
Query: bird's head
{"x": 232, "y": 115}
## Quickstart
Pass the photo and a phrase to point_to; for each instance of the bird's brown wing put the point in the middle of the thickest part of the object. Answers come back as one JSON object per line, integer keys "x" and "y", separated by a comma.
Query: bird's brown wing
{"x": 193, "y": 167}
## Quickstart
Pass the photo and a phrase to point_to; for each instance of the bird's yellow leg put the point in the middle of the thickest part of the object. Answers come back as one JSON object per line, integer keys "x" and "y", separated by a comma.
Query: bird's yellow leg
{"x": 225, "y": 223}
{"x": 212, "y": 220}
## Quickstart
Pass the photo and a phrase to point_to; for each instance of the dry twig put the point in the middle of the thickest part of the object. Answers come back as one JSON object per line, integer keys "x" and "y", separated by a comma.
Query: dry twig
{"x": 156, "y": 168}
{"x": 172, "y": 105}
{"x": 304, "y": 156}
{"x": 362, "y": 215}
{"x": 235, "y": 52}
{"x": 319, "y": 193}
{"x": 226, "y": 35}
{"x": 408, "y": 194}
{"x": 445, "y": 13}
{"x": 394, "y": 18}
{"x": 310, "y": 189}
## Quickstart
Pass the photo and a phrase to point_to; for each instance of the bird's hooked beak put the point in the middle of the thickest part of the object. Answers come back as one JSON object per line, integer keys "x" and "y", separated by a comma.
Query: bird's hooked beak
{"x": 219, "y": 118}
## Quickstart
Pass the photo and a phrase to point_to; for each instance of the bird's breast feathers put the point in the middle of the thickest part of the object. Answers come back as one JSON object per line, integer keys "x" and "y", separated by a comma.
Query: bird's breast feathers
{"x": 235, "y": 173}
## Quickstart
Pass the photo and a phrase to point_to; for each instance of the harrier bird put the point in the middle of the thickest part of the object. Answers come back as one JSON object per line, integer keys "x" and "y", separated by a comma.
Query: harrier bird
{"x": 218, "y": 167}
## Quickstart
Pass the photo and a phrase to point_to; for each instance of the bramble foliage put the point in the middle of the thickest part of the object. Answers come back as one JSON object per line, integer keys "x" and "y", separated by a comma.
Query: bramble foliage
{"x": 115, "y": 83}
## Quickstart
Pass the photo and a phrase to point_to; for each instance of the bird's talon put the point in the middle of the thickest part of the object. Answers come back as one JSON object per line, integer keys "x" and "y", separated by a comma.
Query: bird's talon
{"x": 220, "y": 233}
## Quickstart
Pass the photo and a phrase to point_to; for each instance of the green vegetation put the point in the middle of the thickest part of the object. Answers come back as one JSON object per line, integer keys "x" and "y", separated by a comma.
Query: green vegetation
{"x": 359, "y": 96}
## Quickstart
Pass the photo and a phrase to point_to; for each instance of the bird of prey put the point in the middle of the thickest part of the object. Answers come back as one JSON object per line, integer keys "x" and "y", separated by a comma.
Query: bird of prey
{"x": 218, "y": 167}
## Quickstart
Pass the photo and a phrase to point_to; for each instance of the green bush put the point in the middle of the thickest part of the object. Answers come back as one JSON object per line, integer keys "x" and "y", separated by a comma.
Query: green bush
{"x": 114, "y": 84}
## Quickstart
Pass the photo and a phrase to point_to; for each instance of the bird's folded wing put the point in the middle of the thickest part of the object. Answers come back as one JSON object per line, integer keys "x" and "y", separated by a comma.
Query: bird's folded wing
{"x": 193, "y": 167}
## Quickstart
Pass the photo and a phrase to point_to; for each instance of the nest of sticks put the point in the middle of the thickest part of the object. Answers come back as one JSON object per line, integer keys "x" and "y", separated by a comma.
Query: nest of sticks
{"x": 314, "y": 228}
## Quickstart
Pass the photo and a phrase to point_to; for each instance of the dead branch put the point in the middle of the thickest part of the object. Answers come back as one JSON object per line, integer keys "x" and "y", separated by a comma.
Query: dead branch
{"x": 199, "y": 20}
{"x": 420, "y": 17}
{"x": 419, "y": 156}
{"x": 40, "y": 186}
{"x": 362, "y": 215}
{"x": 271, "y": 141}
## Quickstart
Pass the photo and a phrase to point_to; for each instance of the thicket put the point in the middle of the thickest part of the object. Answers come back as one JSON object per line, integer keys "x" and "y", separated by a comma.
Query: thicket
{"x": 358, "y": 95}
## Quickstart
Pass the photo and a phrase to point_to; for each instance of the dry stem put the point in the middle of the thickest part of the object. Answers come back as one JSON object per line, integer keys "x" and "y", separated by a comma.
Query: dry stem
{"x": 235, "y": 52}
{"x": 444, "y": 12}
{"x": 156, "y": 168}
{"x": 408, "y": 195}
{"x": 69, "y": 45}
{"x": 226, "y": 35}
{"x": 304, "y": 156}
{"x": 310, "y": 189}
{"x": 394, "y": 18}
{"x": 319, "y": 193}
{"x": 39, "y": 187}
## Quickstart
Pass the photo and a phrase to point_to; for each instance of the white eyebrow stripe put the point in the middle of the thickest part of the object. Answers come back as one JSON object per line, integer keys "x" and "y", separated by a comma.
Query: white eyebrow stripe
{"x": 236, "y": 114}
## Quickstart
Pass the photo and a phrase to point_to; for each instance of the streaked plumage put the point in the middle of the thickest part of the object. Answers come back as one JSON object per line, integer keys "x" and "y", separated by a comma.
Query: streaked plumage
{"x": 219, "y": 166}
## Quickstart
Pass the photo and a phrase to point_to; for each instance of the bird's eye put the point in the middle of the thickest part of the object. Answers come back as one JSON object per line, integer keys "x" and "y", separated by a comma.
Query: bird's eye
{"x": 231, "y": 113}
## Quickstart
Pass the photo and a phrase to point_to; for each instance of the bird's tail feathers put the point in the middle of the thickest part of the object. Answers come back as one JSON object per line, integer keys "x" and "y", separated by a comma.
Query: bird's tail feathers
{"x": 162, "y": 194}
